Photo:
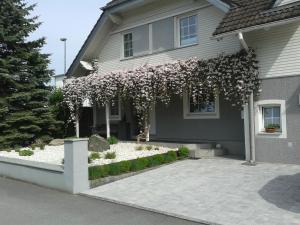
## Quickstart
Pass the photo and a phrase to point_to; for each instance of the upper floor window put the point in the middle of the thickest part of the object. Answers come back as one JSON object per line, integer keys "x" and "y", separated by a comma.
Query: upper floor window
{"x": 128, "y": 45}
{"x": 136, "y": 41}
{"x": 188, "y": 30}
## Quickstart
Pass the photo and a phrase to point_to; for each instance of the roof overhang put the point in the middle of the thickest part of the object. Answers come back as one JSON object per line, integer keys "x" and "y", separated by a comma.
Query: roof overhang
{"x": 257, "y": 27}
{"x": 220, "y": 5}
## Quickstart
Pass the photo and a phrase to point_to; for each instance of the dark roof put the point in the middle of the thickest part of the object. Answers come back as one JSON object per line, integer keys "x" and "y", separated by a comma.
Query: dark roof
{"x": 114, "y": 3}
{"x": 255, "y": 12}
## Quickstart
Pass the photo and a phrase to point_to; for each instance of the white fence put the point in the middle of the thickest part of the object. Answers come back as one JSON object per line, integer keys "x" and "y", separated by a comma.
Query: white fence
{"x": 71, "y": 177}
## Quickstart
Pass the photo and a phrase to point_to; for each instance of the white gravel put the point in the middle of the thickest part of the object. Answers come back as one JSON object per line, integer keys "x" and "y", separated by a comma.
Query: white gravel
{"x": 55, "y": 154}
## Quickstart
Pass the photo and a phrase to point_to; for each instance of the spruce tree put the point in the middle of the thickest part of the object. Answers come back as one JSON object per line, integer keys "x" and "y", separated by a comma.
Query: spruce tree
{"x": 24, "y": 73}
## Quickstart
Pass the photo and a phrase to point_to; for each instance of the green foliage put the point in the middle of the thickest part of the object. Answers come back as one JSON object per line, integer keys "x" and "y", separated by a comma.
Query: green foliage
{"x": 125, "y": 166}
{"x": 139, "y": 164}
{"x": 183, "y": 152}
{"x": 96, "y": 172}
{"x": 273, "y": 126}
{"x": 112, "y": 140}
{"x": 156, "y": 160}
{"x": 26, "y": 153}
{"x": 95, "y": 155}
{"x": 24, "y": 111}
{"x": 62, "y": 114}
{"x": 171, "y": 156}
{"x": 110, "y": 155}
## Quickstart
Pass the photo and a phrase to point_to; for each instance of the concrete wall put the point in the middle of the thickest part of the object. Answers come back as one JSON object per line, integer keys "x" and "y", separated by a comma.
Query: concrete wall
{"x": 280, "y": 150}
{"x": 72, "y": 177}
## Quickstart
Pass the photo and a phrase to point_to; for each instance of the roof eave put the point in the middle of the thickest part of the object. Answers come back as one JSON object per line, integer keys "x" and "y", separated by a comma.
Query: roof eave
{"x": 257, "y": 27}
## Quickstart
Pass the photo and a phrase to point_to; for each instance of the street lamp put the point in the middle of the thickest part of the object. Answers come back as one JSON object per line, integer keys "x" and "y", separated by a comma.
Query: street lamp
{"x": 65, "y": 54}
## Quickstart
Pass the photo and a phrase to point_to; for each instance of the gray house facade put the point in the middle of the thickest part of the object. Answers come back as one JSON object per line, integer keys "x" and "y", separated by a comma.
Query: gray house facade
{"x": 132, "y": 33}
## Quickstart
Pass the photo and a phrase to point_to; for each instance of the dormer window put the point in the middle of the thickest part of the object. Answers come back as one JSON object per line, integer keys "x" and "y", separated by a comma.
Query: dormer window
{"x": 188, "y": 30}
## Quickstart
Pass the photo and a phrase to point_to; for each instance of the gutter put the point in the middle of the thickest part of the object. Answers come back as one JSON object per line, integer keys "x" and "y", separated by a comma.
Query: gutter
{"x": 250, "y": 135}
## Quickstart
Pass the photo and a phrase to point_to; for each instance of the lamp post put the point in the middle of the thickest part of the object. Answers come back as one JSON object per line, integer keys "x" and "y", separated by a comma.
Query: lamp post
{"x": 65, "y": 54}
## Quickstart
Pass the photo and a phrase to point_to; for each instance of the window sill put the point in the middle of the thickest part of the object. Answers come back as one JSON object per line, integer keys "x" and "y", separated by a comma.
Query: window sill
{"x": 157, "y": 52}
{"x": 263, "y": 134}
{"x": 198, "y": 116}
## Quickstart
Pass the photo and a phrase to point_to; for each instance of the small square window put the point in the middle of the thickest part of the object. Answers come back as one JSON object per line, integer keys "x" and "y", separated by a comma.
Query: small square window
{"x": 271, "y": 117}
{"x": 202, "y": 107}
{"x": 128, "y": 45}
{"x": 188, "y": 30}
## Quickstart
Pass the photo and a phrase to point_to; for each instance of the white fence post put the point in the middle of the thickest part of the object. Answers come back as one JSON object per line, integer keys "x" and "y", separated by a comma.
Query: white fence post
{"x": 76, "y": 165}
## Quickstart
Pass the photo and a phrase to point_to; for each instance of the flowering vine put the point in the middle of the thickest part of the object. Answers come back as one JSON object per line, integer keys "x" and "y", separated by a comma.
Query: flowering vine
{"x": 233, "y": 77}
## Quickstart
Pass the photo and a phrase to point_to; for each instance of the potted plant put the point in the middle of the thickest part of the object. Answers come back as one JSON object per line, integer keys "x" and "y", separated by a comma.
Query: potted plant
{"x": 272, "y": 128}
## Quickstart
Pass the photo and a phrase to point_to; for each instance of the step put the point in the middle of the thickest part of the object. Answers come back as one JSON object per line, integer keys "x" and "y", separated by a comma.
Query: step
{"x": 206, "y": 153}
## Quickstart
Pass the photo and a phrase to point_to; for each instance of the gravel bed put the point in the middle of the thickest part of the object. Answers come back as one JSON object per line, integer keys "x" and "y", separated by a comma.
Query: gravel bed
{"x": 123, "y": 150}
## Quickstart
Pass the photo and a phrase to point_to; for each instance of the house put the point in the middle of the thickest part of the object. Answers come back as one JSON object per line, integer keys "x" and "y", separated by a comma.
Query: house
{"x": 58, "y": 80}
{"x": 131, "y": 33}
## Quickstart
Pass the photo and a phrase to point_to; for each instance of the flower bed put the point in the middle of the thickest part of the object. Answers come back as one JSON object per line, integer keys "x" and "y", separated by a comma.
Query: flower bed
{"x": 123, "y": 152}
{"x": 114, "y": 169}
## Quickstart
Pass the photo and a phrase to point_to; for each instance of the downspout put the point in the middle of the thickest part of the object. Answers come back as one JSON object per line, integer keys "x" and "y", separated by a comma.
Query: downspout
{"x": 249, "y": 114}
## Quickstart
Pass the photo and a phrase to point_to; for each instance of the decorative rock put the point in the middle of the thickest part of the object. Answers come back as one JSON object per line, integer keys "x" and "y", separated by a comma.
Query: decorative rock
{"x": 98, "y": 144}
{"x": 56, "y": 142}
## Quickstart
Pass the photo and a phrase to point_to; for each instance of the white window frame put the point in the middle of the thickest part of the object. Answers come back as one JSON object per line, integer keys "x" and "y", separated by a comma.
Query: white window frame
{"x": 115, "y": 117}
{"x": 123, "y": 45}
{"x": 200, "y": 115}
{"x": 177, "y": 29}
{"x": 259, "y": 123}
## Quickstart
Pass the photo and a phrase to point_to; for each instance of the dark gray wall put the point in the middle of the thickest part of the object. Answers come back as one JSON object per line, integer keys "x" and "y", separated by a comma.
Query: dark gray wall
{"x": 278, "y": 150}
{"x": 228, "y": 130}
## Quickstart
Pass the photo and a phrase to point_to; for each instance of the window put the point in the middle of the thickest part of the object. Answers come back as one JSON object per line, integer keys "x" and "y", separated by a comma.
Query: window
{"x": 199, "y": 109}
{"x": 188, "y": 30}
{"x": 270, "y": 114}
{"x": 115, "y": 109}
{"x": 163, "y": 34}
{"x": 136, "y": 41}
{"x": 128, "y": 46}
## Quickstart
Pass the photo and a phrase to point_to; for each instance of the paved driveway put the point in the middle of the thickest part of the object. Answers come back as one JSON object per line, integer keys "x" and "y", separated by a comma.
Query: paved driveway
{"x": 221, "y": 191}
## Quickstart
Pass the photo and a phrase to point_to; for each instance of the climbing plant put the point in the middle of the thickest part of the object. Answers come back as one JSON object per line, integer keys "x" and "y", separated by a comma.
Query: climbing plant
{"x": 234, "y": 77}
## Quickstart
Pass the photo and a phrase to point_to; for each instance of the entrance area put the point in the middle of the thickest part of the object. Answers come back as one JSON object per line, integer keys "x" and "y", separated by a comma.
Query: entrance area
{"x": 221, "y": 191}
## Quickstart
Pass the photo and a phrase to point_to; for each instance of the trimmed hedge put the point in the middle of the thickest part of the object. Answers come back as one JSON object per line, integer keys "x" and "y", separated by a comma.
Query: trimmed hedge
{"x": 114, "y": 169}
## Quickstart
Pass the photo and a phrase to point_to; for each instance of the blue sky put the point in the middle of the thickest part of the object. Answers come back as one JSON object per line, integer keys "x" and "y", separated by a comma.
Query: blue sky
{"x": 72, "y": 19}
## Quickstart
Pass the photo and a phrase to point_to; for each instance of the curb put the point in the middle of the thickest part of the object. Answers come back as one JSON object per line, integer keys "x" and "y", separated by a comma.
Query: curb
{"x": 187, "y": 218}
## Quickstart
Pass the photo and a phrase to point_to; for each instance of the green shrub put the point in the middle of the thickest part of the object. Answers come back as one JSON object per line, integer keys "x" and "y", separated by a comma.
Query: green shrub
{"x": 125, "y": 166}
{"x": 183, "y": 152}
{"x": 170, "y": 156}
{"x": 155, "y": 160}
{"x": 139, "y": 148}
{"x": 112, "y": 140}
{"x": 110, "y": 155}
{"x": 139, "y": 164}
{"x": 33, "y": 146}
{"x": 95, "y": 155}
{"x": 96, "y": 172}
{"x": 149, "y": 147}
{"x": 114, "y": 169}
{"x": 26, "y": 153}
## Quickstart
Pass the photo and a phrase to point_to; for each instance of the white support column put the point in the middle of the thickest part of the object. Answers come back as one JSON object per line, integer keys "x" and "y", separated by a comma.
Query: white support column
{"x": 107, "y": 120}
{"x": 77, "y": 126}
{"x": 252, "y": 127}
{"x": 247, "y": 133}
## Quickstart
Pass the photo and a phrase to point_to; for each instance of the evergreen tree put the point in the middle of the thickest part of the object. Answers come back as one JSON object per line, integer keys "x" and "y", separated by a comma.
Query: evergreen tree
{"x": 24, "y": 111}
